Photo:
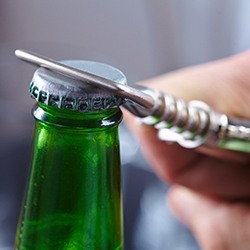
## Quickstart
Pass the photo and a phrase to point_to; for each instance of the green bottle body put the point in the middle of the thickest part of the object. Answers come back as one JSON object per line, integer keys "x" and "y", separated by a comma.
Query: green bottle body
{"x": 73, "y": 199}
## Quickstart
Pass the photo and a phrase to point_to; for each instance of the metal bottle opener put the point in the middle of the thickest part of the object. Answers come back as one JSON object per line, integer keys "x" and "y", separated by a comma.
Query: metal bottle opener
{"x": 191, "y": 124}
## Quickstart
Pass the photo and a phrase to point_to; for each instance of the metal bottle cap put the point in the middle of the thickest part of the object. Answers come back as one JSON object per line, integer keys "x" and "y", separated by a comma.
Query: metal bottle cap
{"x": 61, "y": 91}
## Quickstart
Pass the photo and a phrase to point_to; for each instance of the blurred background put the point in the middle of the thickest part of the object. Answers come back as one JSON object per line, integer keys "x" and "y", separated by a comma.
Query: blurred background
{"x": 143, "y": 39}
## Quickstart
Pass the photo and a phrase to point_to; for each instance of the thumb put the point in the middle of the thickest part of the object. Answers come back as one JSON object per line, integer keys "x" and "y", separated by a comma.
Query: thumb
{"x": 215, "y": 224}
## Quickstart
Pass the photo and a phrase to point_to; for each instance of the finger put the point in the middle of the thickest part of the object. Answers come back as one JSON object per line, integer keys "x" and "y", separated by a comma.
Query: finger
{"x": 223, "y": 84}
{"x": 215, "y": 224}
{"x": 225, "y": 177}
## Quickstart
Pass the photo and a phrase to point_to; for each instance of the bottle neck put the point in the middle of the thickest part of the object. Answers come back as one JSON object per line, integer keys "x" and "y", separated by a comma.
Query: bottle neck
{"x": 73, "y": 197}
{"x": 76, "y": 119}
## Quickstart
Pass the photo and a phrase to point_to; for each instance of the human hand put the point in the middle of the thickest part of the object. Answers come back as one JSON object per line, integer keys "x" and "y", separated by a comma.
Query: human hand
{"x": 216, "y": 223}
{"x": 225, "y": 86}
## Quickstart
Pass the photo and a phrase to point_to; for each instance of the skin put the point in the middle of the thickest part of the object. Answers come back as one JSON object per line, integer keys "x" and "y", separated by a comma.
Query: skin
{"x": 213, "y": 186}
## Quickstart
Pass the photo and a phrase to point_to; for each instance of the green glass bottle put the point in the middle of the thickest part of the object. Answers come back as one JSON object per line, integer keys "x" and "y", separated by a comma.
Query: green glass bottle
{"x": 73, "y": 197}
